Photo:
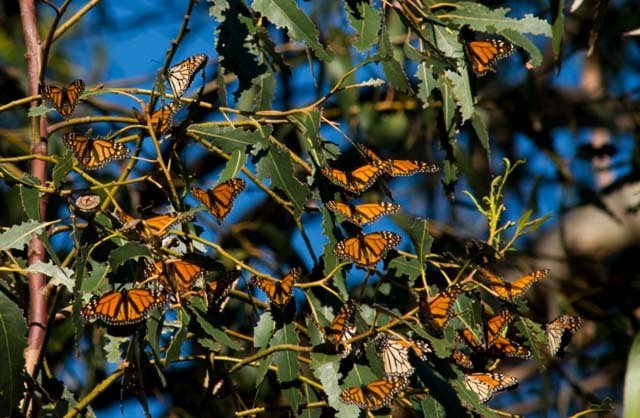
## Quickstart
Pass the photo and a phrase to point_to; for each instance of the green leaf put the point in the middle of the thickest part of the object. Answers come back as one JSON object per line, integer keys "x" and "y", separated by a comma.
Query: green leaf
{"x": 277, "y": 166}
{"x": 422, "y": 241}
{"x": 535, "y": 337}
{"x": 409, "y": 267}
{"x": 426, "y": 83}
{"x": 392, "y": 68}
{"x": 177, "y": 339}
{"x": 263, "y": 369}
{"x": 432, "y": 408}
{"x": 461, "y": 89}
{"x": 62, "y": 168}
{"x": 16, "y": 237}
{"x": 216, "y": 333}
{"x": 287, "y": 14}
{"x": 632, "y": 381}
{"x": 96, "y": 280}
{"x": 287, "y": 363}
{"x": 38, "y": 111}
{"x": 485, "y": 19}
{"x": 477, "y": 122}
{"x": 113, "y": 348}
{"x": 557, "y": 25}
{"x": 234, "y": 165}
{"x": 30, "y": 199}
{"x": 524, "y": 42}
{"x": 59, "y": 275}
{"x": 366, "y": 22}
{"x": 327, "y": 369}
{"x": 260, "y": 95}
{"x": 263, "y": 330}
{"x": 130, "y": 250}
{"x": 226, "y": 138}
{"x": 13, "y": 329}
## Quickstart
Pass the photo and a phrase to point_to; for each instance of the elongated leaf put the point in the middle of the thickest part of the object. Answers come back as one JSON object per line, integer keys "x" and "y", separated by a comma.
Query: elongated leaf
{"x": 392, "y": 68}
{"x": 226, "y": 138}
{"x": 366, "y": 22}
{"x": 287, "y": 14}
{"x": 62, "y": 168}
{"x": 30, "y": 199}
{"x": 216, "y": 333}
{"x": 480, "y": 129}
{"x": 485, "y": 19}
{"x": 288, "y": 364}
{"x": 235, "y": 164}
{"x": 59, "y": 275}
{"x": 130, "y": 250}
{"x": 461, "y": 89}
{"x": 432, "y": 408}
{"x": 632, "y": 381}
{"x": 13, "y": 329}
{"x": 263, "y": 330}
{"x": 175, "y": 345}
{"x": 326, "y": 369}
{"x": 18, "y": 236}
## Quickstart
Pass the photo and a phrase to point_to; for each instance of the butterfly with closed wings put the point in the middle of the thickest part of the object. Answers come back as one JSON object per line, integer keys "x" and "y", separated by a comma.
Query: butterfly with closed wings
{"x": 560, "y": 331}
{"x": 161, "y": 120}
{"x": 181, "y": 75}
{"x": 342, "y": 328}
{"x": 486, "y": 385}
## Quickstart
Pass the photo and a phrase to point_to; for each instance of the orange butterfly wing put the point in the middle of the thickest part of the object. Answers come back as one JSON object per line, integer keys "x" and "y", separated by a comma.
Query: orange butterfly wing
{"x": 279, "y": 292}
{"x": 125, "y": 307}
{"x": 178, "y": 275}
{"x": 436, "y": 313}
{"x": 367, "y": 249}
{"x": 510, "y": 290}
{"x": 219, "y": 200}
{"x": 358, "y": 180}
{"x": 486, "y": 385}
{"x": 400, "y": 167}
{"x": 181, "y": 75}
{"x": 94, "y": 153}
{"x": 63, "y": 99}
{"x": 341, "y": 327}
{"x": 376, "y": 394}
{"x": 483, "y": 54}
{"x": 365, "y": 213}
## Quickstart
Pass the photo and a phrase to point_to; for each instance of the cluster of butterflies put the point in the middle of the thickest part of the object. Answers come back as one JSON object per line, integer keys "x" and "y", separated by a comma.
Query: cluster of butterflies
{"x": 401, "y": 355}
{"x": 366, "y": 250}
{"x": 95, "y": 152}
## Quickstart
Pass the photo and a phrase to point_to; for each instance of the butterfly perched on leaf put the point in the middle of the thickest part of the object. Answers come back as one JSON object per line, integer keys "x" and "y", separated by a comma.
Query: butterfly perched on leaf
{"x": 400, "y": 167}
{"x": 153, "y": 228}
{"x": 217, "y": 290}
{"x": 435, "y": 313}
{"x": 395, "y": 354}
{"x": 367, "y": 249}
{"x": 178, "y": 276}
{"x": 360, "y": 179}
{"x": 486, "y": 385}
{"x": 482, "y": 54}
{"x": 365, "y": 213}
{"x": 219, "y": 200}
{"x": 161, "y": 120}
{"x": 181, "y": 75}
{"x": 510, "y": 290}
{"x": 123, "y": 307}
{"x": 461, "y": 359}
{"x": 376, "y": 394}
{"x": 493, "y": 343}
{"x": 342, "y": 328}
{"x": 63, "y": 99}
{"x": 94, "y": 153}
{"x": 279, "y": 292}
{"x": 560, "y": 331}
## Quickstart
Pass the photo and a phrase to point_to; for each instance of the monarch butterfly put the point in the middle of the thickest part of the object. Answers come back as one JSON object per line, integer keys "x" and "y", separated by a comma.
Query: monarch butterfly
{"x": 279, "y": 292}
{"x": 154, "y": 228}
{"x": 395, "y": 354}
{"x": 560, "y": 331}
{"x": 509, "y": 291}
{"x": 181, "y": 75}
{"x": 218, "y": 289}
{"x": 400, "y": 167}
{"x": 365, "y": 213}
{"x": 494, "y": 344}
{"x": 124, "y": 307}
{"x": 161, "y": 120}
{"x": 376, "y": 394}
{"x": 485, "y": 385}
{"x": 367, "y": 249}
{"x": 63, "y": 99}
{"x": 341, "y": 328}
{"x": 219, "y": 200}
{"x": 461, "y": 359}
{"x": 436, "y": 313}
{"x": 176, "y": 274}
{"x": 94, "y": 153}
{"x": 360, "y": 179}
{"x": 482, "y": 54}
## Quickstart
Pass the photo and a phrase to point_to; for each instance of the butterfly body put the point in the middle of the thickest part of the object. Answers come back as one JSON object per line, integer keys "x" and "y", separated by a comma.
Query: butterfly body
{"x": 511, "y": 290}
{"x": 154, "y": 228}
{"x": 376, "y": 394}
{"x": 63, "y": 99}
{"x": 177, "y": 275}
{"x": 219, "y": 200}
{"x": 395, "y": 354}
{"x": 486, "y": 385}
{"x": 367, "y": 249}
{"x": 181, "y": 75}
{"x": 342, "y": 328}
{"x": 124, "y": 307}
{"x": 161, "y": 120}
{"x": 493, "y": 343}
{"x": 94, "y": 153}
{"x": 436, "y": 313}
{"x": 217, "y": 290}
{"x": 365, "y": 213}
{"x": 483, "y": 54}
{"x": 358, "y": 180}
{"x": 560, "y": 331}
{"x": 278, "y": 292}
{"x": 400, "y": 167}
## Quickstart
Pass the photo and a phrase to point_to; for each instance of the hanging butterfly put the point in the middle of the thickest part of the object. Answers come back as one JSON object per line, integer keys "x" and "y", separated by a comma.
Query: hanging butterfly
{"x": 124, "y": 307}
{"x": 176, "y": 275}
{"x": 510, "y": 290}
{"x": 94, "y": 153}
{"x": 395, "y": 354}
{"x": 560, "y": 331}
{"x": 217, "y": 290}
{"x": 367, "y": 249}
{"x": 482, "y": 54}
{"x": 154, "y": 228}
{"x": 219, "y": 200}
{"x": 494, "y": 344}
{"x": 181, "y": 75}
{"x": 161, "y": 120}
{"x": 436, "y": 313}
{"x": 486, "y": 385}
{"x": 279, "y": 292}
{"x": 63, "y": 99}
{"x": 358, "y": 180}
{"x": 376, "y": 394}
{"x": 363, "y": 214}
{"x": 461, "y": 359}
{"x": 342, "y": 328}
{"x": 400, "y": 167}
